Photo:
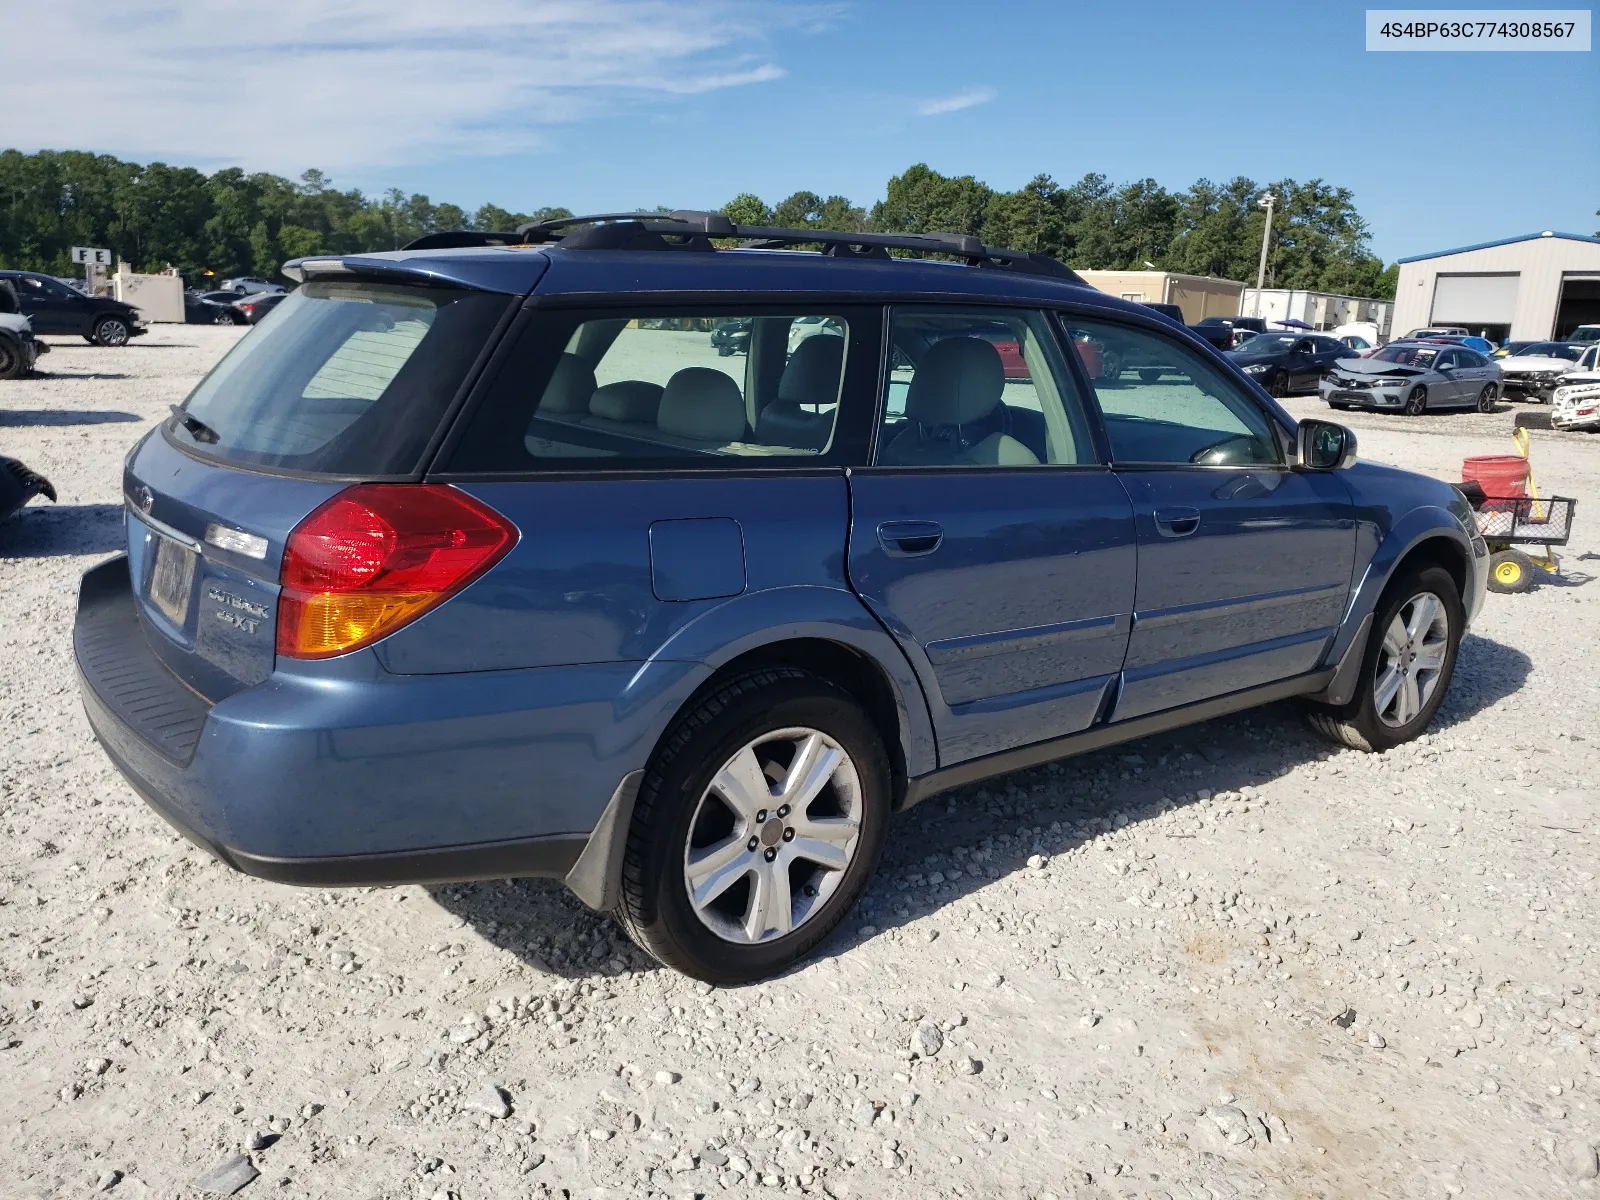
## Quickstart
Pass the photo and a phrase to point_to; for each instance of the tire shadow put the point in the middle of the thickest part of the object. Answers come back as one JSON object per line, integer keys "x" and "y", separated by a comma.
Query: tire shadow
{"x": 39, "y": 418}
{"x": 42, "y": 530}
{"x": 546, "y": 926}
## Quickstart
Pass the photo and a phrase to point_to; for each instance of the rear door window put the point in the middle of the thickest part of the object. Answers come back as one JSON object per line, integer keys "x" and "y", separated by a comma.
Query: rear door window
{"x": 687, "y": 388}
{"x": 342, "y": 378}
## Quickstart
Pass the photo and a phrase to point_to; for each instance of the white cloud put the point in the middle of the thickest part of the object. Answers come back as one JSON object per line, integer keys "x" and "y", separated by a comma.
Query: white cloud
{"x": 338, "y": 84}
{"x": 969, "y": 98}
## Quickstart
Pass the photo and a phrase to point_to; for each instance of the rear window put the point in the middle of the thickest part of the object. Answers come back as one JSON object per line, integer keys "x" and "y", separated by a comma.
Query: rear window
{"x": 341, "y": 379}
{"x": 696, "y": 389}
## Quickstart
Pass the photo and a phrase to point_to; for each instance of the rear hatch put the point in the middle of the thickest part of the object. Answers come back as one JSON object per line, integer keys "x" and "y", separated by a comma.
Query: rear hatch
{"x": 347, "y": 380}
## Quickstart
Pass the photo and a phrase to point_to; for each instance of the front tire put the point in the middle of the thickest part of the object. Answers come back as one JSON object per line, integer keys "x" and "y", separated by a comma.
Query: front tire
{"x": 1417, "y": 402}
{"x": 12, "y": 360}
{"x": 1486, "y": 399}
{"x": 1406, "y": 668}
{"x": 1278, "y": 385}
{"x": 1149, "y": 375}
{"x": 111, "y": 332}
{"x": 760, "y": 820}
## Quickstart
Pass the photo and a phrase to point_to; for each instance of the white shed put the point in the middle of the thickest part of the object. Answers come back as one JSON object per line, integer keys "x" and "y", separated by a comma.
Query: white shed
{"x": 1530, "y": 288}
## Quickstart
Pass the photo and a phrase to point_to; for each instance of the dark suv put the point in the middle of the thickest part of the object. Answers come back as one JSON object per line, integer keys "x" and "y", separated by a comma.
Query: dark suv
{"x": 482, "y": 562}
{"x": 53, "y": 307}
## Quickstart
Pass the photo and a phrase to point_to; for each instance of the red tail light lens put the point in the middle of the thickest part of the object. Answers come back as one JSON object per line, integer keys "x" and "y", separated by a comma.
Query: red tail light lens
{"x": 377, "y": 556}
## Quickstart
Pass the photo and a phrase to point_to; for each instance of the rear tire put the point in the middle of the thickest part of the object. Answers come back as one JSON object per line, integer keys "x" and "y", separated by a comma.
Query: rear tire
{"x": 686, "y": 811}
{"x": 1398, "y": 694}
{"x": 1510, "y": 572}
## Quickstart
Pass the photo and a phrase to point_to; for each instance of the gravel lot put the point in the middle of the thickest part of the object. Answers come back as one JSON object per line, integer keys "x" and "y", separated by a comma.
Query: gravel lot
{"x": 1228, "y": 962}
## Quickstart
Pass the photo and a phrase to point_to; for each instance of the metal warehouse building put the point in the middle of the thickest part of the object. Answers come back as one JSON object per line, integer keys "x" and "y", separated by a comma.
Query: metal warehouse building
{"x": 1542, "y": 285}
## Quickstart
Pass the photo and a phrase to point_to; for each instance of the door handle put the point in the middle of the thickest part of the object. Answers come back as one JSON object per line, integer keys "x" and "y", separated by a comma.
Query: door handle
{"x": 1177, "y": 522}
{"x": 910, "y": 539}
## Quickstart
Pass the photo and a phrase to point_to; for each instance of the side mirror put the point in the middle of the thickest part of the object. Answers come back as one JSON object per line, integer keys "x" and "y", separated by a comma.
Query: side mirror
{"x": 1324, "y": 446}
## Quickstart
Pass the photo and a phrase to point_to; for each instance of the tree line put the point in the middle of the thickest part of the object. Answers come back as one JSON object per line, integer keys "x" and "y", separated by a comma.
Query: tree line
{"x": 236, "y": 223}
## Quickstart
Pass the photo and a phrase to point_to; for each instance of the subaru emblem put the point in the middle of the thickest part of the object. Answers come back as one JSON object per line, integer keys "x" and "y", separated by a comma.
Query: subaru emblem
{"x": 147, "y": 499}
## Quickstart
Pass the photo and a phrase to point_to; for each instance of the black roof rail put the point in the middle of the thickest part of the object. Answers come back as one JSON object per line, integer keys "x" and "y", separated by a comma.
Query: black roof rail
{"x": 690, "y": 229}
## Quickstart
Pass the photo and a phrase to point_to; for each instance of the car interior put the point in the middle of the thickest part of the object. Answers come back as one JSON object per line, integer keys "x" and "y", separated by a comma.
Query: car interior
{"x": 657, "y": 387}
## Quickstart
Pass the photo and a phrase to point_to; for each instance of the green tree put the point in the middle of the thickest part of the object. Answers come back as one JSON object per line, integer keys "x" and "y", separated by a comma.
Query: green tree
{"x": 748, "y": 209}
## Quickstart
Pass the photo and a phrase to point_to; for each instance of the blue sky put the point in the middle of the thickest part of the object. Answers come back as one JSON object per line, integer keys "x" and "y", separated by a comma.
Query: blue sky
{"x": 604, "y": 104}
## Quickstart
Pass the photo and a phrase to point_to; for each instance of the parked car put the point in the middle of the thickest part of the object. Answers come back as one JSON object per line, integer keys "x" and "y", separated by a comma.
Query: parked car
{"x": 52, "y": 307}
{"x": 1413, "y": 377}
{"x": 1507, "y": 349}
{"x": 804, "y": 327}
{"x": 1228, "y": 333}
{"x": 228, "y": 299}
{"x": 731, "y": 337}
{"x": 1470, "y": 340}
{"x": 1170, "y": 311}
{"x": 1532, "y": 373}
{"x": 249, "y": 285}
{"x": 1353, "y": 341}
{"x": 198, "y": 310}
{"x": 19, "y": 349}
{"x": 1434, "y": 331}
{"x": 1585, "y": 334}
{"x": 253, "y": 308}
{"x": 1575, "y": 404}
{"x": 413, "y": 592}
{"x": 1288, "y": 362}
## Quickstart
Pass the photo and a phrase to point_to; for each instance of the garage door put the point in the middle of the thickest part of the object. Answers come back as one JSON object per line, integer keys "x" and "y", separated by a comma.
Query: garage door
{"x": 1474, "y": 299}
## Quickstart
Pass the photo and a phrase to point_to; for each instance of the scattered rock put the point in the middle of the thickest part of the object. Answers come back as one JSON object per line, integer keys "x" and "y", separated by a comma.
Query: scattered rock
{"x": 667, "y": 1077}
{"x": 1231, "y": 1122}
{"x": 1375, "y": 1039}
{"x": 966, "y": 1065}
{"x": 926, "y": 1040}
{"x": 108, "y": 1181}
{"x": 489, "y": 1100}
{"x": 1578, "y": 1160}
{"x": 227, "y": 1176}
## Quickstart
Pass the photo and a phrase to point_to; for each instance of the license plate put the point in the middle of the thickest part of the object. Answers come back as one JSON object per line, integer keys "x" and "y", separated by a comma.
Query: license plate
{"x": 172, "y": 579}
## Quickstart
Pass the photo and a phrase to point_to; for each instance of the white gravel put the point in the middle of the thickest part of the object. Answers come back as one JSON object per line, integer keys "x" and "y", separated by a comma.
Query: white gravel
{"x": 1233, "y": 961}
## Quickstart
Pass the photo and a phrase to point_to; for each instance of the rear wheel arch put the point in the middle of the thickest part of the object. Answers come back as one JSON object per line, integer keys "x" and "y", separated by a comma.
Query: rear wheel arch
{"x": 848, "y": 668}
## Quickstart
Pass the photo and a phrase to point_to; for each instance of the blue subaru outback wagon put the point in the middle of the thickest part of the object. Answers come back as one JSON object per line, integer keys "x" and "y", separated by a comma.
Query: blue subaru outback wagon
{"x": 485, "y": 560}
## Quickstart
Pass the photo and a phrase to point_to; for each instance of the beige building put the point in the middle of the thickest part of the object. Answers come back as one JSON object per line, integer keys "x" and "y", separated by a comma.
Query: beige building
{"x": 1543, "y": 285}
{"x": 157, "y": 297}
{"x": 1198, "y": 295}
{"x": 1319, "y": 310}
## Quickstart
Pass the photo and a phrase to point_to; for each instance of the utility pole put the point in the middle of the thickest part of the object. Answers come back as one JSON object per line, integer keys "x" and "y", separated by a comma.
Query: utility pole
{"x": 1266, "y": 202}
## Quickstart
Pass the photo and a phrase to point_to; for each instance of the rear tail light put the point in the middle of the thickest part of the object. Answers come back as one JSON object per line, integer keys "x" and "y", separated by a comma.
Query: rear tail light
{"x": 377, "y": 556}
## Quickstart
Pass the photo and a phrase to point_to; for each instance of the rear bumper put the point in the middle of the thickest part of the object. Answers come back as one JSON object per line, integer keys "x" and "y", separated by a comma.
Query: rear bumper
{"x": 375, "y": 779}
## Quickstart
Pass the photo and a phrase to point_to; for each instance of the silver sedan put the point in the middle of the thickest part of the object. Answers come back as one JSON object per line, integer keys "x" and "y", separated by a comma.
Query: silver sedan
{"x": 1412, "y": 377}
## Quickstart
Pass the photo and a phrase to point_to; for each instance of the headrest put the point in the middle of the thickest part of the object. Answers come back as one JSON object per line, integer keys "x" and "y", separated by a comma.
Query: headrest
{"x": 959, "y": 380}
{"x": 703, "y": 404}
{"x": 812, "y": 375}
{"x": 569, "y": 388}
{"x": 627, "y": 400}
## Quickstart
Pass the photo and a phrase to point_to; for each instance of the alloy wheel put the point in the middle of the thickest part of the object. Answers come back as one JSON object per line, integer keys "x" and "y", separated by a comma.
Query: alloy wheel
{"x": 1411, "y": 660}
{"x": 112, "y": 332}
{"x": 1417, "y": 402}
{"x": 772, "y": 835}
{"x": 1486, "y": 400}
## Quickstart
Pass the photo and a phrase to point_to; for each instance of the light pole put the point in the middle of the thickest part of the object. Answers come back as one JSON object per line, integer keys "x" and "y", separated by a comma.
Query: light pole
{"x": 1266, "y": 202}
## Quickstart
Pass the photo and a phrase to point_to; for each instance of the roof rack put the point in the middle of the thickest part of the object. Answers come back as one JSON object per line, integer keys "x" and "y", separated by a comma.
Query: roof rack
{"x": 690, "y": 229}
